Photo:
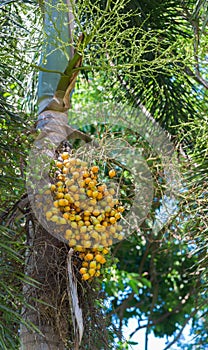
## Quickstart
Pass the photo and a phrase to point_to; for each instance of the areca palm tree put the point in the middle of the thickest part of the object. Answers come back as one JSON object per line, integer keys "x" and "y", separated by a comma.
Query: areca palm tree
{"x": 148, "y": 59}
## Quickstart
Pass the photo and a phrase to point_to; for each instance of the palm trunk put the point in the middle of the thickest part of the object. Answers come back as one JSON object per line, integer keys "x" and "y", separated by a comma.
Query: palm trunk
{"x": 46, "y": 256}
{"x": 50, "y": 313}
{"x": 50, "y": 341}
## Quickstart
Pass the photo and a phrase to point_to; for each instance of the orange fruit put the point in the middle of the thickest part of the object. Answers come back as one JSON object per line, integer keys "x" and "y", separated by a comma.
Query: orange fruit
{"x": 94, "y": 220}
{"x": 86, "y": 236}
{"x": 103, "y": 261}
{"x": 60, "y": 195}
{"x": 99, "y": 196}
{"x": 93, "y": 201}
{"x": 99, "y": 228}
{"x": 79, "y": 248}
{"x": 56, "y": 204}
{"x": 112, "y": 173}
{"x": 66, "y": 216}
{"x": 76, "y": 175}
{"x": 72, "y": 161}
{"x": 86, "y": 276}
{"x": 63, "y": 202}
{"x": 94, "y": 235}
{"x": 71, "y": 217}
{"x": 68, "y": 234}
{"x": 95, "y": 194}
{"x": 65, "y": 170}
{"x": 92, "y": 184}
{"x": 100, "y": 217}
{"x": 117, "y": 216}
{"x": 89, "y": 193}
{"x": 69, "y": 182}
{"x": 91, "y": 272}
{"x": 112, "y": 220}
{"x": 77, "y": 217}
{"x": 113, "y": 212}
{"x": 61, "y": 177}
{"x": 81, "y": 184}
{"x": 52, "y": 187}
{"x": 105, "y": 250}
{"x": 86, "y": 175}
{"x": 73, "y": 188}
{"x": 72, "y": 242}
{"x": 73, "y": 224}
{"x": 121, "y": 209}
{"x": 62, "y": 221}
{"x": 111, "y": 191}
{"x": 115, "y": 201}
{"x": 60, "y": 189}
{"x": 109, "y": 199}
{"x": 65, "y": 155}
{"x": 110, "y": 241}
{"x": 93, "y": 264}
{"x": 77, "y": 204}
{"x": 80, "y": 223}
{"x": 95, "y": 169}
{"x": 112, "y": 229}
{"x": 69, "y": 198}
{"x": 55, "y": 218}
{"x": 83, "y": 270}
{"x": 86, "y": 244}
{"x": 59, "y": 164}
{"x": 66, "y": 163}
{"x": 81, "y": 255}
{"x": 48, "y": 214}
{"x": 101, "y": 188}
{"x": 107, "y": 209}
{"x": 83, "y": 228}
{"x": 89, "y": 257}
{"x": 98, "y": 257}
{"x": 96, "y": 212}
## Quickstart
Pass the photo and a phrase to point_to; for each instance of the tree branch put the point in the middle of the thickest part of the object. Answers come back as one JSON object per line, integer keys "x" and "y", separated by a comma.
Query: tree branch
{"x": 181, "y": 331}
{"x": 70, "y": 26}
{"x": 196, "y": 76}
{"x": 16, "y": 211}
{"x": 194, "y": 21}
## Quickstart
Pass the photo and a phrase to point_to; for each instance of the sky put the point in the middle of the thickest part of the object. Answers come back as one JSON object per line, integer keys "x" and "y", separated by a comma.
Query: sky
{"x": 153, "y": 343}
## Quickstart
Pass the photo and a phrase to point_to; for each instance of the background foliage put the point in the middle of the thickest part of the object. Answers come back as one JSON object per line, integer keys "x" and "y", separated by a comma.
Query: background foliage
{"x": 155, "y": 56}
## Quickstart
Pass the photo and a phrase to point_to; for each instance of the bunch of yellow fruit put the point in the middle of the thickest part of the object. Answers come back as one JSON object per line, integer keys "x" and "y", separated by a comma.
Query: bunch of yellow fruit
{"x": 87, "y": 207}
{"x": 92, "y": 261}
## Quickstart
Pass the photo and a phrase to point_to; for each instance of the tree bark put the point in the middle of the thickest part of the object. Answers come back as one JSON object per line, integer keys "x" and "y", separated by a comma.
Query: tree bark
{"x": 46, "y": 256}
{"x": 50, "y": 341}
{"x": 50, "y": 312}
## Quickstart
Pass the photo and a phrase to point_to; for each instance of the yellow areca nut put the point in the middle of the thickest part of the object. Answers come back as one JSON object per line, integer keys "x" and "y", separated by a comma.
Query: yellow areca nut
{"x": 86, "y": 276}
{"x": 65, "y": 155}
{"x": 89, "y": 257}
{"x": 112, "y": 173}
